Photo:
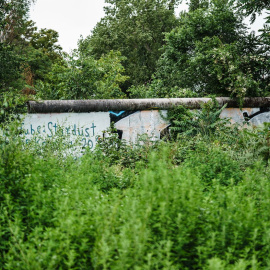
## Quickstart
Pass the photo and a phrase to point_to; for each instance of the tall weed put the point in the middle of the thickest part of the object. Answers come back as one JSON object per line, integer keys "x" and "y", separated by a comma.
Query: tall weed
{"x": 188, "y": 204}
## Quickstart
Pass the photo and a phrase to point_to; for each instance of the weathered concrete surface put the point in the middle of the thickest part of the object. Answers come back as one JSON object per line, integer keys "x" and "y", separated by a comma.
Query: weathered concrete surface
{"x": 87, "y": 127}
{"x": 258, "y": 120}
{"x": 103, "y": 105}
{"x": 143, "y": 122}
{"x": 85, "y": 120}
{"x": 236, "y": 115}
{"x": 81, "y": 128}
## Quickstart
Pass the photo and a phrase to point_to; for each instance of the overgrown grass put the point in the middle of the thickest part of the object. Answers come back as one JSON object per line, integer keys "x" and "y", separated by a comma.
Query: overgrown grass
{"x": 193, "y": 203}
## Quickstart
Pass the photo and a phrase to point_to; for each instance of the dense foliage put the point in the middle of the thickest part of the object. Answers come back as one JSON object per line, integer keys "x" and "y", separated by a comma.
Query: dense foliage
{"x": 210, "y": 53}
{"x": 199, "y": 200}
{"x": 139, "y": 49}
{"x": 136, "y": 30}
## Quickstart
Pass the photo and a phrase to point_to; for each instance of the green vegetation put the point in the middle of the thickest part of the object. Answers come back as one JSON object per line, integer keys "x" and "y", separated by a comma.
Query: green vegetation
{"x": 139, "y": 49}
{"x": 198, "y": 200}
{"x": 214, "y": 58}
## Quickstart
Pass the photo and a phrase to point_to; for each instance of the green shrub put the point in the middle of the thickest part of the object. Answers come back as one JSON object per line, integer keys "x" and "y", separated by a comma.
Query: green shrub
{"x": 204, "y": 211}
{"x": 206, "y": 121}
{"x": 211, "y": 163}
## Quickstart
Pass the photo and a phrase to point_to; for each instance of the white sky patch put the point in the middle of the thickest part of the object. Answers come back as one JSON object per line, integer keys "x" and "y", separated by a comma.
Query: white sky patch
{"x": 69, "y": 18}
{"x": 258, "y": 24}
{"x": 72, "y": 19}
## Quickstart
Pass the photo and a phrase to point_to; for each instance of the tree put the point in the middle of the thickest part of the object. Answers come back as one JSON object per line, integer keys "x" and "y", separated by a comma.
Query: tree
{"x": 90, "y": 78}
{"x": 196, "y": 4}
{"x": 252, "y": 8}
{"x": 12, "y": 22}
{"x": 9, "y": 67}
{"x": 136, "y": 29}
{"x": 13, "y": 18}
{"x": 211, "y": 53}
{"x": 26, "y": 55}
{"x": 14, "y": 33}
{"x": 46, "y": 40}
{"x": 85, "y": 78}
{"x": 42, "y": 52}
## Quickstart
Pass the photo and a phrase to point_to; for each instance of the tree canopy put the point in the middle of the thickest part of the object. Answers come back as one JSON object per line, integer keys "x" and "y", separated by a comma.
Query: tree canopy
{"x": 254, "y": 8}
{"x": 135, "y": 28}
{"x": 211, "y": 53}
{"x": 140, "y": 48}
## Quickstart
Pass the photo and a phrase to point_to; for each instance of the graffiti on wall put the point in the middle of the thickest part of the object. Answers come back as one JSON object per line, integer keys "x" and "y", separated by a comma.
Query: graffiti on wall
{"x": 82, "y": 128}
{"x": 86, "y": 128}
{"x": 132, "y": 124}
{"x": 254, "y": 116}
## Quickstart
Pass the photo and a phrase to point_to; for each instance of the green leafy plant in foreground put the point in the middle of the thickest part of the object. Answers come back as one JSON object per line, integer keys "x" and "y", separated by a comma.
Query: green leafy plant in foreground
{"x": 206, "y": 121}
{"x": 165, "y": 210}
{"x": 262, "y": 145}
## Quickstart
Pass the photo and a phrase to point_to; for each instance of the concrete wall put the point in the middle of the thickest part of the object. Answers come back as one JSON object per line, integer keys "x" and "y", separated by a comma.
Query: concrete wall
{"x": 86, "y": 128}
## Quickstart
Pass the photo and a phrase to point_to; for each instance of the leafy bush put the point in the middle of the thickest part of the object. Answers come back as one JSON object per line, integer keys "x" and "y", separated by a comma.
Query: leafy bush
{"x": 213, "y": 164}
{"x": 206, "y": 121}
{"x": 99, "y": 211}
{"x": 123, "y": 153}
